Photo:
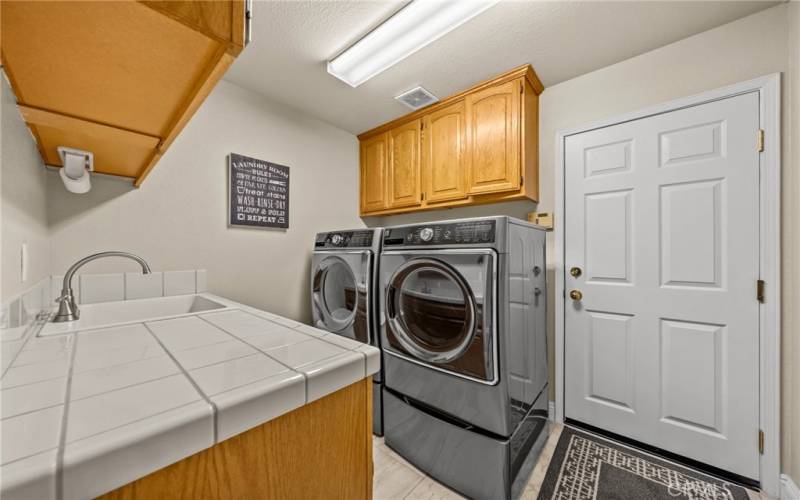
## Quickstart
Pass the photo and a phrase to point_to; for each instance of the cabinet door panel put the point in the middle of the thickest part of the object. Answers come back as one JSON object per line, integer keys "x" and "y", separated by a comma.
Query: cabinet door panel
{"x": 374, "y": 162}
{"x": 444, "y": 145}
{"x": 493, "y": 135}
{"x": 404, "y": 165}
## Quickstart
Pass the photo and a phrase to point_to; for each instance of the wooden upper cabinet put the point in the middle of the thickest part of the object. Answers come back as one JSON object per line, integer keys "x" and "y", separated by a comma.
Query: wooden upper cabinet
{"x": 120, "y": 79}
{"x": 403, "y": 176}
{"x": 493, "y": 139}
{"x": 478, "y": 146}
{"x": 374, "y": 164}
{"x": 443, "y": 153}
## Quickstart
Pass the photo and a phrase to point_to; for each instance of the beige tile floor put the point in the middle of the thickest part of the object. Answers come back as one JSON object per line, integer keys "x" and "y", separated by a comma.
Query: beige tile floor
{"x": 396, "y": 479}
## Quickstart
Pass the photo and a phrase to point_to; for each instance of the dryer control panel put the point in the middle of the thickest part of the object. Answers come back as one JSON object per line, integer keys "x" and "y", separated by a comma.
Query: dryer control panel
{"x": 344, "y": 239}
{"x": 455, "y": 233}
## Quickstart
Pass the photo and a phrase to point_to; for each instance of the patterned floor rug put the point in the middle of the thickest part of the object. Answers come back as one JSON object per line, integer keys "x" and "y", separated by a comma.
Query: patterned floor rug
{"x": 587, "y": 467}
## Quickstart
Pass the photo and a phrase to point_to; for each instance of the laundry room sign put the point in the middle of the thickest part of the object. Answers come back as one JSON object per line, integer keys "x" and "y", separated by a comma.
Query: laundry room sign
{"x": 258, "y": 193}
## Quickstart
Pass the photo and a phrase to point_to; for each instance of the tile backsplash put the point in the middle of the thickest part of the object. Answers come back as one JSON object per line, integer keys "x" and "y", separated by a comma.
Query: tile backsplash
{"x": 18, "y": 314}
{"x": 101, "y": 288}
{"x": 144, "y": 286}
{"x": 93, "y": 288}
{"x": 180, "y": 282}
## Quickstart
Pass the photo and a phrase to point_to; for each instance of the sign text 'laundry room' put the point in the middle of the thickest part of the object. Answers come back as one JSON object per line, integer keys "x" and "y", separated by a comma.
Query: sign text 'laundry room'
{"x": 258, "y": 193}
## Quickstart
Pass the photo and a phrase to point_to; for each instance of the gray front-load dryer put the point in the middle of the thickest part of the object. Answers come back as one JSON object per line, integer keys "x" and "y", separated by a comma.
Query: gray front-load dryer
{"x": 462, "y": 313}
{"x": 343, "y": 293}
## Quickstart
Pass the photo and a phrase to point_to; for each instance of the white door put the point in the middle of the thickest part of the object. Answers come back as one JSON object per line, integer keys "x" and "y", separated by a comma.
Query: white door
{"x": 661, "y": 218}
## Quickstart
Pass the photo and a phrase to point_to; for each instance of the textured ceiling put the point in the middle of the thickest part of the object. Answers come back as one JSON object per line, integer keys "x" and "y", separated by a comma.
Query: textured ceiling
{"x": 292, "y": 40}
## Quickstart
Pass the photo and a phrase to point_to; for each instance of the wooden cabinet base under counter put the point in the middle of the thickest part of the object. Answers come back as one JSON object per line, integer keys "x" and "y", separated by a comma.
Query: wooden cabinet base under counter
{"x": 320, "y": 450}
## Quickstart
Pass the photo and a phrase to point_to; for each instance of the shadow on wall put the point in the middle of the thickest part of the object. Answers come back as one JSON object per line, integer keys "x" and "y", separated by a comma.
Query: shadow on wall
{"x": 518, "y": 209}
{"x": 65, "y": 206}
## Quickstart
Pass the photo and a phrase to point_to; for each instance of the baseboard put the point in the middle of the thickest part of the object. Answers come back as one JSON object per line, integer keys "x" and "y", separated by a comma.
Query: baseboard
{"x": 789, "y": 489}
{"x": 551, "y": 410}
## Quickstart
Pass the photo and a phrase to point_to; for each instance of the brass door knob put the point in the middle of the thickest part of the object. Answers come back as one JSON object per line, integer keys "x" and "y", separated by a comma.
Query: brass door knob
{"x": 575, "y": 272}
{"x": 575, "y": 295}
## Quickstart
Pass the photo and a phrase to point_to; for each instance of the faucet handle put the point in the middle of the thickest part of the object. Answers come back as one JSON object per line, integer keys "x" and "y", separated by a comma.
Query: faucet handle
{"x": 61, "y": 299}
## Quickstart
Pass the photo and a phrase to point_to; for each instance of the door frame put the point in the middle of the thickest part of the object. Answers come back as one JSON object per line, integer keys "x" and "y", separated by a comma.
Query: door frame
{"x": 769, "y": 89}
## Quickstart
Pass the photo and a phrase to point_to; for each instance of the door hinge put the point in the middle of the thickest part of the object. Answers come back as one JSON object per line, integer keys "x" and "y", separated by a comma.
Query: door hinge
{"x": 521, "y": 180}
{"x": 760, "y": 140}
{"x": 760, "y": 291}
{"x": 760, "y": 442}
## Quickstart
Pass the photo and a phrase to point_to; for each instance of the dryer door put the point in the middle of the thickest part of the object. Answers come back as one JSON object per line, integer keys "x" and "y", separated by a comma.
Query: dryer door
{"x": 340, "y": 293}
{"x": 440, "y": 311}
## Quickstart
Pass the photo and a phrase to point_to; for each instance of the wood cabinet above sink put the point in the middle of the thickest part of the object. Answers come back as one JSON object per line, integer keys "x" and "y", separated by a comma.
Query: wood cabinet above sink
{"x": 478, "y": 146}
{"x": 119, "y": 79}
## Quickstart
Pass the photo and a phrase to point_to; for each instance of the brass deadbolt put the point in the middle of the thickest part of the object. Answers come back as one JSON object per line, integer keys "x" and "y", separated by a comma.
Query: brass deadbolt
{"x": 575, "y": 295}
{"x": 575, "y": 272}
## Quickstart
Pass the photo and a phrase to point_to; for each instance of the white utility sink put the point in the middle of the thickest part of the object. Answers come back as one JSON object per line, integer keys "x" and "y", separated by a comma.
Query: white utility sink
{"x": 106, "y": 314}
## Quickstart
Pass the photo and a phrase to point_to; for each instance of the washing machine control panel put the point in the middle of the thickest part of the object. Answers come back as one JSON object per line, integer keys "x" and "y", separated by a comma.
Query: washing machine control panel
{"x": 455, "y": 233}
{"x": 344, "y": 239}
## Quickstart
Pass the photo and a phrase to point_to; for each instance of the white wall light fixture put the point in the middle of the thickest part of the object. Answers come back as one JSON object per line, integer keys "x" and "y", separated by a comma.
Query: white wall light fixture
{"x": 412, "y": 28}
{"x": 76, "y": 166}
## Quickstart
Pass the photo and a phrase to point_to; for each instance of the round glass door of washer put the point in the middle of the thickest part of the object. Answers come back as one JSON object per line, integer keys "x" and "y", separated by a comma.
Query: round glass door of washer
{"x": 431, "y": 310}
{"x": 335, "y": 293}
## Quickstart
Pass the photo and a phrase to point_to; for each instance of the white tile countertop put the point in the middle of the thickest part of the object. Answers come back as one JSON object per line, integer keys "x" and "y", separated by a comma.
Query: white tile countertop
{"x": 86, "y": 412}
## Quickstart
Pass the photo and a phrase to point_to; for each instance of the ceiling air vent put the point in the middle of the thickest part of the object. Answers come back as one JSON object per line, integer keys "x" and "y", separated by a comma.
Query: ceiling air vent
{"x": 417, "y": 98}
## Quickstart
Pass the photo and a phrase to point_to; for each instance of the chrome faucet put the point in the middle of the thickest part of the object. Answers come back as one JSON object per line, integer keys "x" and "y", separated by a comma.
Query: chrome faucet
{"x": 67, "y": 309}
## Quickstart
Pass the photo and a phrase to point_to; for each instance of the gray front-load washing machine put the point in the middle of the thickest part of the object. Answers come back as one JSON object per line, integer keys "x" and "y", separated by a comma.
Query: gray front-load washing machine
{"x": 343, "y": 294}
{"x": 465, "y": 349}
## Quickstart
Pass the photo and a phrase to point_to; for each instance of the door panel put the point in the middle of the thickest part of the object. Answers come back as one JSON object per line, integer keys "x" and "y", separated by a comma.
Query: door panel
{"x": 662, "y": 217}
{"x": 608, "y": 236}
{"x": 609, "y": 361}
{"x": 691, "y": 375}
{"x": 493, "y": 137}
{"x": 404, "y": 165}
{"x": 374, "y": 164}
{"x": 691, "y": 253}
{"x": 443, "y": 151}
{"x": 608, "y": 158}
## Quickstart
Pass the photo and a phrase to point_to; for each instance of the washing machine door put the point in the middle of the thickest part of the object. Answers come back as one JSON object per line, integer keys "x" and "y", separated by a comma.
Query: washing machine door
{"x": 440, "y": 311}
{"x": 340, "y": 293}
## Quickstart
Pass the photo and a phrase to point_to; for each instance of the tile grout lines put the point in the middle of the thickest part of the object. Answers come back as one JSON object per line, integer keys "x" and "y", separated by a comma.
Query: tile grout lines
{"x": 305, "y": 377}
{"x": 88, "y": 436}
{"x": 213, "y": 406}
{"x": 33, "y": 328}
{"x": 294, "y": 329}
{"x": 62, "y": 438}
{"x": 62, "y": 441}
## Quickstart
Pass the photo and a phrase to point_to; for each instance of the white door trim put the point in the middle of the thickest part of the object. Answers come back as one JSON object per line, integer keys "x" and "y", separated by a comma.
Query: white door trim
{"x": 769, "y": 89}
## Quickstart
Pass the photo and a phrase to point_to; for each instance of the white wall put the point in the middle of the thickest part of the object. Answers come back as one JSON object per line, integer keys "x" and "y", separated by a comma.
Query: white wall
{"x": 23, "y": 213}
{"x": 791, "y": 260}
{"x": 177, "y": 219}
{"x": 748, "y": 48}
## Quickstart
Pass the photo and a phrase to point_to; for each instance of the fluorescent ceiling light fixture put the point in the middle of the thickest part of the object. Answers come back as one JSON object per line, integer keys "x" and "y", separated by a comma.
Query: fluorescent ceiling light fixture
{"x": 412, "y": 28}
